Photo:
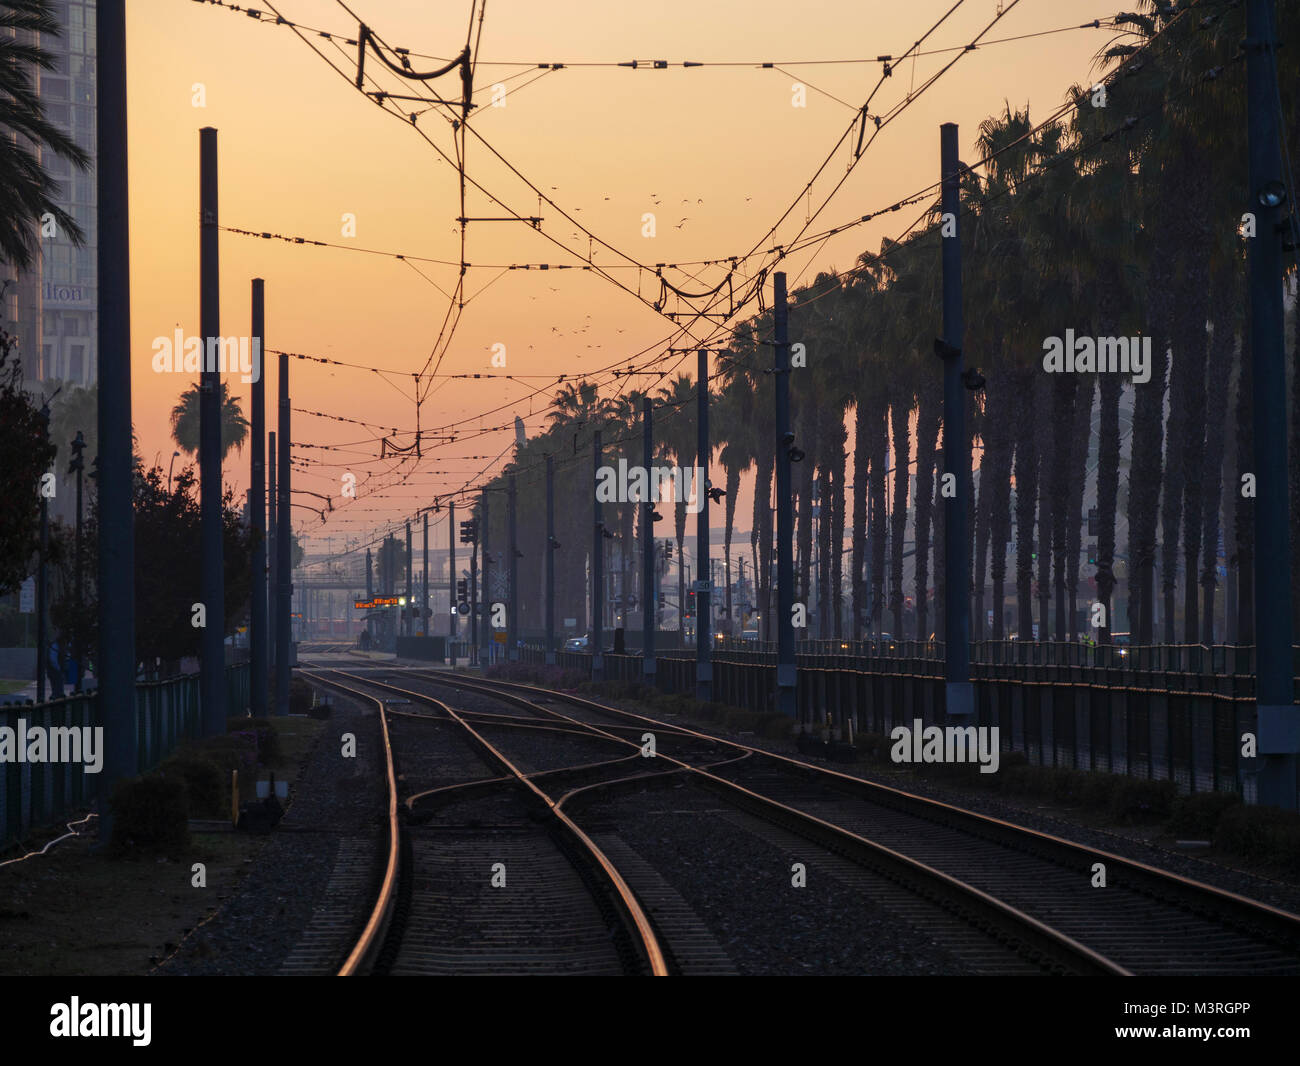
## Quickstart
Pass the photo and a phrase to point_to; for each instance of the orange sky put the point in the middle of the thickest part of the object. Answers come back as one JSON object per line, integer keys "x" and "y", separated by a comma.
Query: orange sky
{"x": 300, "y": 147}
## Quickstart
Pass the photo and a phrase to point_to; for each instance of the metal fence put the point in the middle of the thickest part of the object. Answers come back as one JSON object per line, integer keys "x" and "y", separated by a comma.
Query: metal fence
{"x": 1147, "y": 716}
{"x": 167, "y": 712}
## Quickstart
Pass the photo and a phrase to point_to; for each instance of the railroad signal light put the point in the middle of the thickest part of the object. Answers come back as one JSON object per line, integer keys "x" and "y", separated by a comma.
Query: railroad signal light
{"x": 1092, "y": 553}
{"x": 1092, "y": 521}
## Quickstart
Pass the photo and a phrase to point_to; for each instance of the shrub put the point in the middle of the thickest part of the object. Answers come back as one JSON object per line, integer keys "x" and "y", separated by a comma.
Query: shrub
{"x": 261, "y": 734}
{"x": 207, "y": 789}
{"x": 1135, "y": 799}
{"x": 1263, "y": 833}
{"x": 150, "y": 816}
{"x": 1198, "y": 815}
{"x": 301, "y": 696}
{"x": 234, "y": 751}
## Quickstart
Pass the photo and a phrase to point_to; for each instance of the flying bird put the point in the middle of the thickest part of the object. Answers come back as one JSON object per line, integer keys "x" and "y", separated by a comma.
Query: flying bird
{"x": 681, "y": 223}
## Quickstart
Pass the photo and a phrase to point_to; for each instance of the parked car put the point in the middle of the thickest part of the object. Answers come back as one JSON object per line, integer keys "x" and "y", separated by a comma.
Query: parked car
{"x": 576, "y": 644}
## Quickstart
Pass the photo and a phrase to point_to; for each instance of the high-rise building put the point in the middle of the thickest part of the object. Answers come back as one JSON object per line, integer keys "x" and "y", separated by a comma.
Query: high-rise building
{"x": 51, "y": 306}
{"x": 69, "y": 288}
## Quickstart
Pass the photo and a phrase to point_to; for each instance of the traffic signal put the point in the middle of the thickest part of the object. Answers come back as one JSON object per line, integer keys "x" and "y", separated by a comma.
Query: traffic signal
{"x": 690, "y": 603}
{"x": 1092, "y": 521}
{"x": 462, "y": 589}
{"x": 469, "y": 531}
{"x": 662, "y": 602}
{"x": 668, "y": 549}
{"x": 1092, "y": 553}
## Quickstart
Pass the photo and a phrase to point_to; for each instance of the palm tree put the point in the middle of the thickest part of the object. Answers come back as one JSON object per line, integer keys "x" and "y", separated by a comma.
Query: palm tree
{"x": 27, "y": 193}
{"x": 185, "y": 422}
{"x": 678, "y": 434}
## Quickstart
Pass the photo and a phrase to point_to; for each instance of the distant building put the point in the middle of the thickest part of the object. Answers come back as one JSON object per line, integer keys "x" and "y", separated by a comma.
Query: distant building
{"x": 52, "y": 307}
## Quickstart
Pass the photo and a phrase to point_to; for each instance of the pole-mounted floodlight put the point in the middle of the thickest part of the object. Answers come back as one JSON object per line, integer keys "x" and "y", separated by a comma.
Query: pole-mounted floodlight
{"x": 1271, "y": 194}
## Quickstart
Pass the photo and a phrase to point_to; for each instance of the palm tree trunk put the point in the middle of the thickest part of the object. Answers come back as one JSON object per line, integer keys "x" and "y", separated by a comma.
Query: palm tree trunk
{"x": 1110, "y": 387}
{"x": 1218, "y": 371}
{"x": 998, "y": 451}
{"x": 1026, "y": 499}
{"x": 857, "y": 559}
{"x": 733, "y": 489}
{"x": 823, "y": 552}
{"x": 899, "y": 410}
{"x": 1144, "y": 482}
{"x": 761, "y": 539}
{"x": 803, "y": 481}
{"x": 927, "y": 430}
{"x": 879, "y": 493}
{"x": 1080, "y": 440}
{"x": 1063, "y": 395}
{"x": 838, "y": 471}
{"x": 1245, "y": 512}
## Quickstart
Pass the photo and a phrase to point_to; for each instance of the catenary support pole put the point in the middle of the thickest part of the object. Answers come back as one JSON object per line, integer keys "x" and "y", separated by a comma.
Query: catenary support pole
{"x": 212, "y": 657}
{"x": 786, "y": 677}
{"x": 512, "y": 605}
{"x": 453, "y": 627}
{"x": 259, "y": 679}
{"x": 115, "y": 661}
{"x": 1278, "y": 719}
{"x": 704, "y": 575}
{"x": 649, "y": 592}
{"x": 485, "y": 657}
{"x": 550, "y": 561}
{"x": 597, "y": 571}
{"x": 959, "y": 692}
{"x": 272, "y": 540}
{"x": 283, "y": 552}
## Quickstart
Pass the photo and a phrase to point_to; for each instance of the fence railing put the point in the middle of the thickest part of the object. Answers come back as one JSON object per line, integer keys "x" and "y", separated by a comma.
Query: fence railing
{"x": 167, "y": 712}
{"x": 1142, "y": 720}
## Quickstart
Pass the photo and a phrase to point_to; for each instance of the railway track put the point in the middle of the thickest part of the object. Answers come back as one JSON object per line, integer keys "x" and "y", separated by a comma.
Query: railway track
{"x": 994, "y": 937}
{"x": 441, "y": 908}
{"x": 1032, "y": 887}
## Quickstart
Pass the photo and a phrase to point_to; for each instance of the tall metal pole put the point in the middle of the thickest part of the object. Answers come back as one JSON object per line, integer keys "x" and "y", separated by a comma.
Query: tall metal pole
{"x": 649, "y": 595}
{"x": 283, "y": 553}
{"x": 272, "y": 542}
{"x": 410, "y": 588}
{"x": 597, "y": 571}
{"x": 426, "y": 615}
{"x": 550, "y": 561}
{"x": 703, "y": 620}
{"x": 115, "y": 662}
{"x": 78, "y": 467}
{"x": 471, "y": 630}
{"x": 257, "y": 642}
{"x": 42, "y": 632}
{"x": 512, "y": 605}
{"x": 959, "y": 692}
{"x": 451, "y": 572}
{"x": 486, "y": 656}
{"x": 1278, "y": 720}
{"x": 786, "y": 677}
{"x": 212, "y": 659}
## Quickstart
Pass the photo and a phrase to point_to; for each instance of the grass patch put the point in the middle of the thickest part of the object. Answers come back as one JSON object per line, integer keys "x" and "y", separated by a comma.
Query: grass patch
{"x": 8, "y": 688}
{"x": 770, "y": 724}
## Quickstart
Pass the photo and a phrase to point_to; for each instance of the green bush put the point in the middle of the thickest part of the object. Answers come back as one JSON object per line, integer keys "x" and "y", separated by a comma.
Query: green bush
{"x": 234, "y": 751}
{"x": 1135, "y": 799}
{"x": 207, "y": 789}
{"x": 261, "y": 734}
{"x": 1266, "y": 834}
{"x": 150, "y": 816}
{"x": 301, "y": 696}
{"x": 1198, "y": 815}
